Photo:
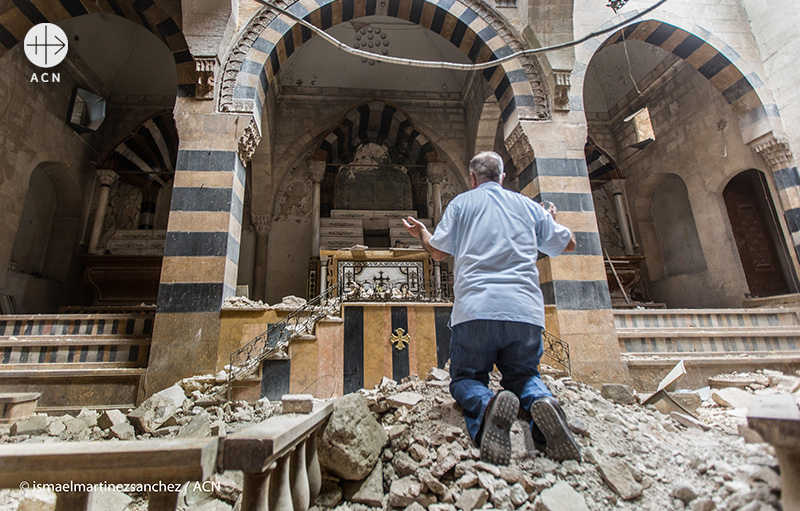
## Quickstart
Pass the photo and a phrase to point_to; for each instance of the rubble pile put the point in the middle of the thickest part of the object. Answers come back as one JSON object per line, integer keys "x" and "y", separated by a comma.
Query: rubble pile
{"x": 634, "y": 458}
{"x": 405, "y": 446}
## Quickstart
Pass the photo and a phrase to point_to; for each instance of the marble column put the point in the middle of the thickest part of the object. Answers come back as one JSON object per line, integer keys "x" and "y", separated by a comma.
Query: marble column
{"x": 436, "y": 173}
{"x": 107, "y": 178}
{"x": 616, "y": 189}
{"x": 779, "y": 159}
{"x": 147, "y": 215}
{"x": 260, "y": 223}
{"x": 323, "y": 274}
{"x": 316, "y": 171}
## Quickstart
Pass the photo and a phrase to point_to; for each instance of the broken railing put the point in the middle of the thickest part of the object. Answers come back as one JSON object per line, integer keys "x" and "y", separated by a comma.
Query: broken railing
{"x": 278, "y": 458}
{"x": 276, "y": 337}
{"x": 556, "y": 353}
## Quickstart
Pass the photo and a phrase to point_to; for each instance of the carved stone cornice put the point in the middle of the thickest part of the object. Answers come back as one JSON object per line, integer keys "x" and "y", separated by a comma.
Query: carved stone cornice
{"x": 233, "y": 64}
{"x": 205, "y": 69}
{"x": 776, "y": 151}
{"x": 237, "y": 55}
{"x": 249, "y": 141}
{"x": 436, "y": 172}
{"x": 519, "y": 148}
{"x": 260, "y": 223}
{"x": 107, "y": 177}
{"x": 561, "y": 92}
{"x": 316, "y": 170}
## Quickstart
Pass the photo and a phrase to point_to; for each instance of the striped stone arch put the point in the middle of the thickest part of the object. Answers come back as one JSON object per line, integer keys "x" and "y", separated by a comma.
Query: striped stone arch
{"x": 270, "y": 41}
{"x": 722, "y": 67}
{"x": 24, "y": 14}
{"x": 149, "y": 152}
{"x": 376, "y": 121}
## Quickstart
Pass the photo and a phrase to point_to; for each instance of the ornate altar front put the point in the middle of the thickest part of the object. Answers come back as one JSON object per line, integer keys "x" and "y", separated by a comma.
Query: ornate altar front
{"x": 378, "y": 275}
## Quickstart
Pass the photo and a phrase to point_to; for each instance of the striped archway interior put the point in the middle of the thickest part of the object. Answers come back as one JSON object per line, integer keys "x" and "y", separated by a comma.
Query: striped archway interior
{"x": 148, "y": 155}
{"x": 716, "y": 66}
{"x": 380, "y": 122}
{"x": 24, "y": 14}
{"x": 454, "y": 21}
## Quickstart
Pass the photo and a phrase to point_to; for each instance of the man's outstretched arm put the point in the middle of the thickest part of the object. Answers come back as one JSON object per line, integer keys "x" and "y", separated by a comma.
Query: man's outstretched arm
{"x": 418, "y": 230}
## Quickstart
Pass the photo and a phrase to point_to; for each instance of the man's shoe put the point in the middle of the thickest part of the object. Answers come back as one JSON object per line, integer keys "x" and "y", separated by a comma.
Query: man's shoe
{"x": 497, "y": 421}
{"x": 552, "y": 422}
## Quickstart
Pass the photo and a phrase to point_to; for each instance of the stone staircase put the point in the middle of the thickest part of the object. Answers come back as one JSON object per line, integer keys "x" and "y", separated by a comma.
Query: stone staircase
{"x": 76, "y": 360}
{"x": 710, "y": 341}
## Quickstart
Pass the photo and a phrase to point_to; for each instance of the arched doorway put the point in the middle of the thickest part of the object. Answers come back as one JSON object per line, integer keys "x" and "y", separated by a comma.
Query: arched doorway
{"x": 754, "y": 225}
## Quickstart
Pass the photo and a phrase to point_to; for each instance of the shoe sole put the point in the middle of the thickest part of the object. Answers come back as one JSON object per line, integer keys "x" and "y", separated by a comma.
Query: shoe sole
{"x": 561, "y": 445}
{"x": 496, "y": 440}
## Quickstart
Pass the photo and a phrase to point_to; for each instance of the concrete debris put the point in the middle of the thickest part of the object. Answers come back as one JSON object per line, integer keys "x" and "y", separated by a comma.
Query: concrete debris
{"x": 159, "y": 407}
{"x": 561, "y": 497}
{"x": 416, "y": 454}
{"x": 618, "y": 393}
{"x": 289, "y": 303}
{"x": 731, "y": 398}
{"x": 689, "y": 421}
{"x": 297, "y": 403}
{"x": 352, "y": 440}
{"x": 111, "y": 418}
{"x": 242, "y": 302}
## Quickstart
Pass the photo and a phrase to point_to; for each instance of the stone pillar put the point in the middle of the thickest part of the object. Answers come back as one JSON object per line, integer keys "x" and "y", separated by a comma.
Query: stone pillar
{"x": 201, "y": 254}
{"x": 435, "y": 176}
{"x": 147, "y": 214}
{"x": 779, "y": 159}
{"x": 323, "y": 274}
{"x": 106, "y": 178}
{"x": 616, "y": 189}
{"x": 316, "y": 171}
{"x": 261, "y": 226}
{"x": 552, "y": 167}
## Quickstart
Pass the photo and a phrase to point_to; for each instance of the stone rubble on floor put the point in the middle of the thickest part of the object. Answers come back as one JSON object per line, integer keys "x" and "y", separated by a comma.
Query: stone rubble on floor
{"x": 403, "y": 445}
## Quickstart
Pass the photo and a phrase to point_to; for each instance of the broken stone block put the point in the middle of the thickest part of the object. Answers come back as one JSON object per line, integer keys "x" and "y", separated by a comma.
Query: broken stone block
{"x": 110, "y": 500}
{"x": 518, "y": 495}
{"x": 297, "y": 403}
{"x": 578, "y": 427}
{"x": 330, "y": 494}
{"x": 414, "y": 506}
{"x": 75, "y": 429}
{"x": 33, "y": 425}
{"x": 618, "y": 393}
{"x": 369, "y": 491}
{"x": 732, "y": 398}
{"x": 56, "y": 426}
{"x": 689, "y": 400}
{"x": 472, "y": 499}
{"x": 37, "y": 500}
{"x": 689, "y": 421}
{"x": 619, "y": 478}
{"x": 438, "y": 374}
{"x": 684, "y": 492}
{"x": 468, "y": 480}
{"x": 404, "y": 491}
{"x": 352, "y": 440}
{"x": 403, "y": 464}
{"x": 419, "y": 453}
{"x": 441, "y": 507}
{"x": 110, "y": 418}
{"x": 123, "y": 431}
{"x": 88, "y": 416}
{"x": 159, "y": 407}
{"x": 198, "y": 427}
{"x": 702, "y": 505}
{"x": 433, "y": 483}
{"x": 561, "y": 497}
{"x": 404, "y": 399}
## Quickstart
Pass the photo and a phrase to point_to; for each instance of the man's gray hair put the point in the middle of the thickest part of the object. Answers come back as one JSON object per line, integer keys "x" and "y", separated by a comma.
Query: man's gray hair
{"x": 487, "y": 166}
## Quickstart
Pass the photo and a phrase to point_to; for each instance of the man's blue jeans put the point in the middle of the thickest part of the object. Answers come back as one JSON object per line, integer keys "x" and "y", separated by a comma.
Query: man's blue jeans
{"x": 476, "y": 346}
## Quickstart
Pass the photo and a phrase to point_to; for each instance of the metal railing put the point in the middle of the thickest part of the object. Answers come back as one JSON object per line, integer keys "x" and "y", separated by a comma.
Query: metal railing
{"x": 277, "y": 336}
{"x": 556, "y": 353}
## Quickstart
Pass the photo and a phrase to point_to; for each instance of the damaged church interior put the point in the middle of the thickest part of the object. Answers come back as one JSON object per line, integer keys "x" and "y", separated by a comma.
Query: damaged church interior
{"x": 211, "y": 191}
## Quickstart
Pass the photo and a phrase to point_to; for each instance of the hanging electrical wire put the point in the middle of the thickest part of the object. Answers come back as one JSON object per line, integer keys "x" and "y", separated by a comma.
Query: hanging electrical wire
{"x": 453, "y": 65}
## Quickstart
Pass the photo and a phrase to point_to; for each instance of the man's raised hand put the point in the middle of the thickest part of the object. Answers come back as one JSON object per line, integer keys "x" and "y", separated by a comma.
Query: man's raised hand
{"x": 413, "y": 226}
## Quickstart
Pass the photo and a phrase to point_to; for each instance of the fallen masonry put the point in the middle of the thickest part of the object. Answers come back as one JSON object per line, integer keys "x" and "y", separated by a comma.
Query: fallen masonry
{"x": 403, "y": 445}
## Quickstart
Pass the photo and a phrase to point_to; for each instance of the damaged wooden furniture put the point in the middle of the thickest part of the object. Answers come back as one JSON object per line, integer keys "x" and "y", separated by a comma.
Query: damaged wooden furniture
{"x": 278, "y": 457}
{"x": 777, "y": 419}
